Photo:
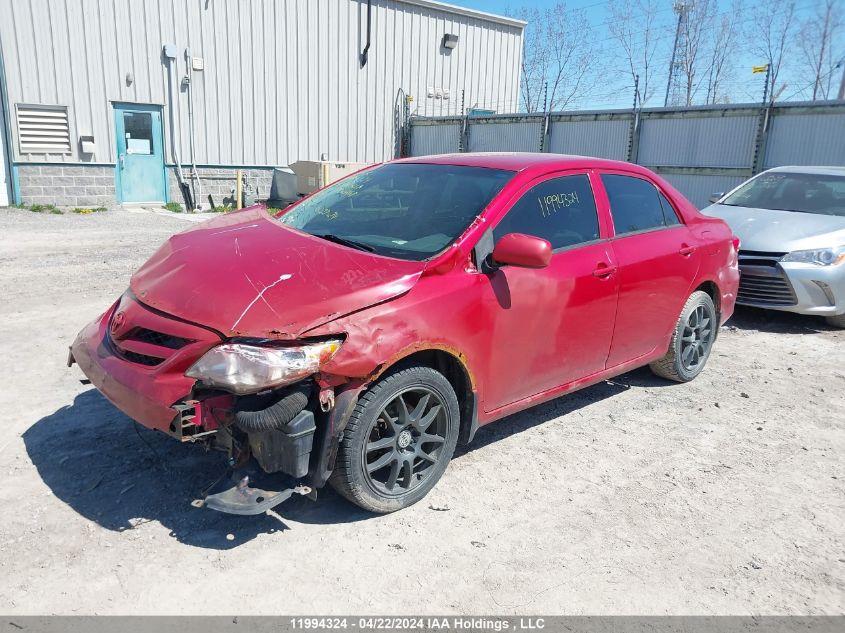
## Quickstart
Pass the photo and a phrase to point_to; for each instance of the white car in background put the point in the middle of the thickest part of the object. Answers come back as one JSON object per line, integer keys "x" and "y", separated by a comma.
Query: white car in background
{"x": 791, "y": 224}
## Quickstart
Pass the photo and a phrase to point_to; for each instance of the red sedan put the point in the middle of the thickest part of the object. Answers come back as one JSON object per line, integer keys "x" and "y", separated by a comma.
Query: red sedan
{"x": 363, "y": 332}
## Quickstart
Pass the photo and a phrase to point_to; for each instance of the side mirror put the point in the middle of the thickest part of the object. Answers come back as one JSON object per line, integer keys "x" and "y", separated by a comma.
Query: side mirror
{"x": 715, "y": 197}
{"x": 526, "y": 251}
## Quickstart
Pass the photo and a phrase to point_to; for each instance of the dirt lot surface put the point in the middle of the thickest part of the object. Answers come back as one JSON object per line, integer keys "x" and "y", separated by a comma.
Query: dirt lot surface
{"x": 725, "y": 495}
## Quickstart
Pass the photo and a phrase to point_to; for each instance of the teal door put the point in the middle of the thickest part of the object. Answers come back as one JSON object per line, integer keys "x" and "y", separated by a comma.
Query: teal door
{"x": 140, "y": 153}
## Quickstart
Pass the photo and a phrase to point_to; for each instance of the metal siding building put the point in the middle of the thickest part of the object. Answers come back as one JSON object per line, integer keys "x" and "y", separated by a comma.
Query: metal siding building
{"x": 281, "y": 81}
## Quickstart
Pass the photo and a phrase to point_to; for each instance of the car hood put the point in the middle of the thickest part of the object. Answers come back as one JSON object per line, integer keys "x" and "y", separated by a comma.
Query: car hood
{"x": 246, "y": 274}
{"x": 780, "y": 231}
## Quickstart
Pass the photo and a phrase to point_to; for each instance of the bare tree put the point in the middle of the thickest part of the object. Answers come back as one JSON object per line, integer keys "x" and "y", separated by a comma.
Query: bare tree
{"x": 535, "y": 60}
{"x": 633, "y": 24}
{"x": 817, "y": 38}
{"x": 722, "y": 49}
{"x": 559, "y": 50}
{"x": 771, "y": 29}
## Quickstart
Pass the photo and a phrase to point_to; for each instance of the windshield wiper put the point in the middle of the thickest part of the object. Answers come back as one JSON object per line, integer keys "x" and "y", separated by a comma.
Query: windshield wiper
{"x": 345, "y": 241}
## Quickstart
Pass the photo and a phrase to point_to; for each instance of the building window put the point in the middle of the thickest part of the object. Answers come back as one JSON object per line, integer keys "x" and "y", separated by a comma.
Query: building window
{"x": 43, "y": 129}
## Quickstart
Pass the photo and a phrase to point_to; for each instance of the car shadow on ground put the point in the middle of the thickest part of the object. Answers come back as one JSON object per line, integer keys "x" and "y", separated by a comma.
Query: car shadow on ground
{"x": 121, "y": 475}
{"x": 777, "y": 321}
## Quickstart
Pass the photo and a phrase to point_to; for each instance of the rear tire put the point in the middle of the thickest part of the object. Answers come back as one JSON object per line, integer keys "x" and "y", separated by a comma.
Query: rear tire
{"x": 836, "y": 321}
{"x": 398, "y": 441}
{"x": 692, "y": 340}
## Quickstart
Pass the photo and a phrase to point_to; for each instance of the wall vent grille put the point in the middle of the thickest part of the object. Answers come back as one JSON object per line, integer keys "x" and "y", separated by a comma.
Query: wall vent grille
{"x": 43, "y": 129}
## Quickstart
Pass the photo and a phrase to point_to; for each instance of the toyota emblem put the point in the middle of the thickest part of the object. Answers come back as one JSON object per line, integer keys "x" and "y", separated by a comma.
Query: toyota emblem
{"x": 117, "y": 321}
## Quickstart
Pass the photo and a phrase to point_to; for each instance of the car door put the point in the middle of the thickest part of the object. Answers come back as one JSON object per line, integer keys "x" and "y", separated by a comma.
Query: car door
{"x": 552, "y": 325}
{"x": 657, "y": 259}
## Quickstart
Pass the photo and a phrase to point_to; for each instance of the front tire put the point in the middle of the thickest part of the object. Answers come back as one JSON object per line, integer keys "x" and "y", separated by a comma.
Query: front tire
{"x": 836, "y": 321}
{"x": 692, "y": 340}
{"x": 398, "y": 441}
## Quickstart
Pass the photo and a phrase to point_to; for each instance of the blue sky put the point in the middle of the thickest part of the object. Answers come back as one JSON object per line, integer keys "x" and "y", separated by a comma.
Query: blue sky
{"x": 617, "y": 91}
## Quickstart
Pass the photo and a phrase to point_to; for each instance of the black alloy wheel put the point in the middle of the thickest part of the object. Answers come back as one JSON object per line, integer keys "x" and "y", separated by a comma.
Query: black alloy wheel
{"x": 398, "y": 441}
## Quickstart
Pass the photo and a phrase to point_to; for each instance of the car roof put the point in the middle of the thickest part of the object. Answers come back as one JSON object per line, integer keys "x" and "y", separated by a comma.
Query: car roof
{"x": 807, "y": 169}
{"x": 521, "y": 161}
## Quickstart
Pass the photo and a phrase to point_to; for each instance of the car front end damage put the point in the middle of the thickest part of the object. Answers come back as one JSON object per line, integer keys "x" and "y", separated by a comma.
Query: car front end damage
{"x": 262, "y": 403}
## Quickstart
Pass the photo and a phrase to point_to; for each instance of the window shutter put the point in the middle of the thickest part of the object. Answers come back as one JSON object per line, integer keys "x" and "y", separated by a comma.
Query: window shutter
{"x": 43, "y": 129}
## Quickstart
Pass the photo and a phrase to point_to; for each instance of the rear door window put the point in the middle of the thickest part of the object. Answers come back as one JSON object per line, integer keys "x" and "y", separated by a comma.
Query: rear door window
{"x": 561, "y": 210}
{"x": 670, "y": 216}
{"x": 634, "y": 204}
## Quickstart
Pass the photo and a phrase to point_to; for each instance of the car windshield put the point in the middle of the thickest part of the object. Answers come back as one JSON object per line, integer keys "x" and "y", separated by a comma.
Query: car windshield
{"x": 404, "y": 210}
{"x": 805, "y": 193}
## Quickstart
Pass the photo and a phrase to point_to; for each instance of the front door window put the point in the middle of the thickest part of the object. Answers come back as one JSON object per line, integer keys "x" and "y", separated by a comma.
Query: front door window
{"x": 138, "y": 129}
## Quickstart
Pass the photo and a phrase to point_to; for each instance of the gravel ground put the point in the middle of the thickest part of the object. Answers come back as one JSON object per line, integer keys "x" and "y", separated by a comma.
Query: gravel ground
{"x": 721, "y": 496}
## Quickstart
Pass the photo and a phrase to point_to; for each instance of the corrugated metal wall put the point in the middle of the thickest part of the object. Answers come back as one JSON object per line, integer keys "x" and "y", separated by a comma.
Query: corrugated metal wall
{"x": 697, "y": 141}
{"x": 517, "y": 136}
{"x": 700, "y": 150}
{"x": 604, "y": 138}
{"x": 807, "y": 138}
{"x": 282, "y": 79}
{"x": 435, "y": 139}
{"x": 697, "y": 188}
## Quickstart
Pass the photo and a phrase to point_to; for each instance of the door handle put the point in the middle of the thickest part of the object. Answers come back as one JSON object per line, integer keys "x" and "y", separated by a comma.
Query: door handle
{"x": 122, "y": 159}
{"x": 686, "y": 250}
{"x": 603, "y": 270}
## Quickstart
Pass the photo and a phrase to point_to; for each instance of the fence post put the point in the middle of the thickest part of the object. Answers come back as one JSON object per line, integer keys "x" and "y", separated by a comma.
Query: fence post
{"x": 544, "y": 130}
{"x": 634, "y": 137}
{"x": 544, "y": 133}
{"x": 634, "y": 133}
{"x": 758, "y": 157}
{"x": 463, "y": 141}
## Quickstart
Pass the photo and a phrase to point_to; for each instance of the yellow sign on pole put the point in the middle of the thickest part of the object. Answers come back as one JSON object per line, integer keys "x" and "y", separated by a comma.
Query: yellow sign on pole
{"x": 759, "y": 69}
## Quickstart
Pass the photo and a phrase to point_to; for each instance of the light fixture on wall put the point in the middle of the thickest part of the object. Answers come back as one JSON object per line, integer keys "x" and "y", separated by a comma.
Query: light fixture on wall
{"x": 450, "y": 40}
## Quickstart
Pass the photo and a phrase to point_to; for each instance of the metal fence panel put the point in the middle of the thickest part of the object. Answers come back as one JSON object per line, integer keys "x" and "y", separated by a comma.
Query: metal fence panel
{"x": 442, "y": 138}
{"x": 708, "y": 140}
{"x": 698, "y": 188}
{"x": 806, "y": 139}
{"x": 700, "y": 150}
{"x": 505, "y": 137}
{"x": 602, "y": 138}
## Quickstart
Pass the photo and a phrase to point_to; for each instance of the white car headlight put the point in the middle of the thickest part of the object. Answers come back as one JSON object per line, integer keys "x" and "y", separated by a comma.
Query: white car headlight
{"x": 246, "y": 368}
{"x": 819, "y": 257}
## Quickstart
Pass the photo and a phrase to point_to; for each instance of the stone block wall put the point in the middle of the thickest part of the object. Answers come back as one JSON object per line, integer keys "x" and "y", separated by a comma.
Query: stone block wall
{"x": 219, "y": 182}
{"x": 67, "y": 185}
{"x": 94, "y": 186}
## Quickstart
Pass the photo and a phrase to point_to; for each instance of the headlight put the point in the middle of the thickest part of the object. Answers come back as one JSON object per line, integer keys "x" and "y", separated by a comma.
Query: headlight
{"x": 819, "y": 257}
{"x": 243, "y": 368}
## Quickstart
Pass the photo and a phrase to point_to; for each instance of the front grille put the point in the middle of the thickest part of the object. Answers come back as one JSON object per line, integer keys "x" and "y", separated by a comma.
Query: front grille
{"x": 141, "y": 359}
{"x": 759, "y": 258}
{"x": 146, "y": 338}
{"x": 761, "y": 280}
{"x": 159, "y": 339}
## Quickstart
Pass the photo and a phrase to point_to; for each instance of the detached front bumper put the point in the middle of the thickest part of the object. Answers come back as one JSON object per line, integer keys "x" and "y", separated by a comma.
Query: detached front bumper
{"x": 137, "y": 357}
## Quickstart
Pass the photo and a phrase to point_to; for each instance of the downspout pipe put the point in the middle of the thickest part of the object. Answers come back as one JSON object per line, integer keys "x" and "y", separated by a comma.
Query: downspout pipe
{"x": 169, "y": 52}
{"x": 366, "y": 52}
{"x": 189, "y": 78}
{"x": 14, "y": 197}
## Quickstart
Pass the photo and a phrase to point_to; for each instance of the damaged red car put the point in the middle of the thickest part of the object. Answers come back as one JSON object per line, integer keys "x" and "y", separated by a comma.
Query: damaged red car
{"x": 362, "y": 333}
